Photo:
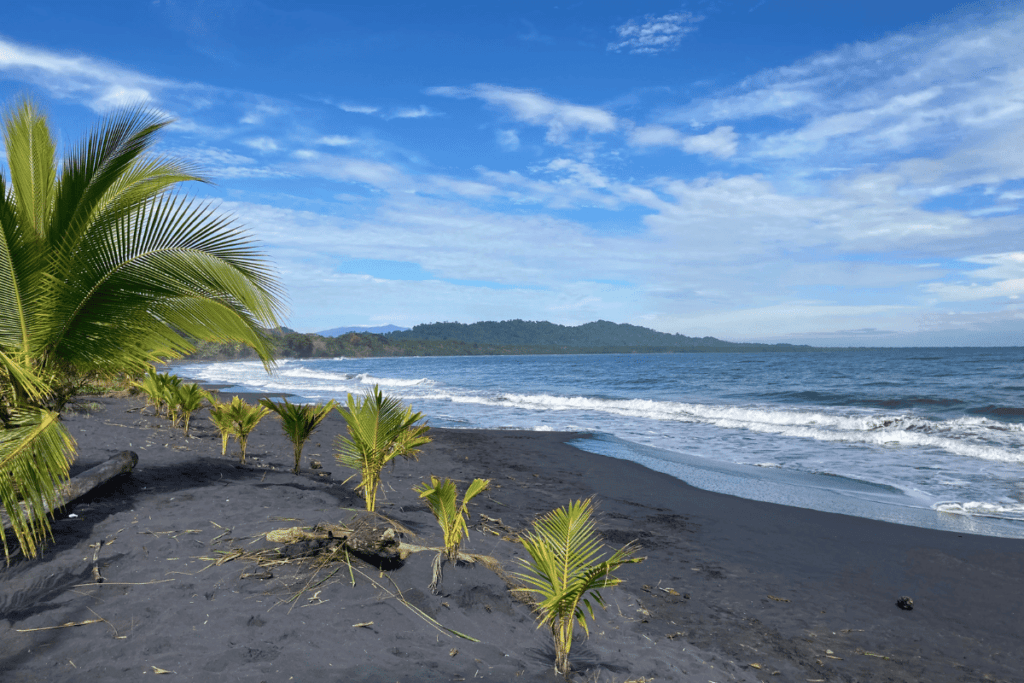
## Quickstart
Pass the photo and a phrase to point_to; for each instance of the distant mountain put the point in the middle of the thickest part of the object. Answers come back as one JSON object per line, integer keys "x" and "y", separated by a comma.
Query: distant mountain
{"x": 384, "y": 329}
{"x": 600, "y": 334}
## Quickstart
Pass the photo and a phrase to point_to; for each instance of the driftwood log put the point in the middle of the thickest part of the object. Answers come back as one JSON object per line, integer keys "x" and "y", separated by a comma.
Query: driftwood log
{"x": 76, "y": 487}
{"x": 368, "y": 536}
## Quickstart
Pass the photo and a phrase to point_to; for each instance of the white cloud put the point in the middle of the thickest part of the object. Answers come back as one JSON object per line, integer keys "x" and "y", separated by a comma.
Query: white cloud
{"x": 1006, "y": 270}
{"x": 263, "y": 144}
{"x": 560, "y": 118}
{"x": 358, "y": 108}
{"x": 721, "y": 142}
{"x": 508, "y": 139}
{"x": 336, "y": 140}
{"x": 867, "y": 99}
{"x": 654, "y": 34}
{"x": 412, "y": 113}
{"x": 101, "y": 85}
{"x": 259, "y": 113}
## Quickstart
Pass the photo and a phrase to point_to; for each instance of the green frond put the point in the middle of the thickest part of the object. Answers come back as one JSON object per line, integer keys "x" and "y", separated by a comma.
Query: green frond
{"x": 35, "y": 457}
{"x": 31, "y": 157}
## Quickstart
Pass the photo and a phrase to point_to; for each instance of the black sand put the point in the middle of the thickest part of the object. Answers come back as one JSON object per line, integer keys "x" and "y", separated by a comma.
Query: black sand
{"x": 732, "y": 590}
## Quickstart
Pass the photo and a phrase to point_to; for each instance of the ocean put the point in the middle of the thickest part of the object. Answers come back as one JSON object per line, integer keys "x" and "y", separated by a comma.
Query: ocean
{"x": 926, "y": 437}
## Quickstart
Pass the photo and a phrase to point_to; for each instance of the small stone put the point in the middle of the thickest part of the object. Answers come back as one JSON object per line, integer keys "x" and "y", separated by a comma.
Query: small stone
{"x": 905, "y": 602}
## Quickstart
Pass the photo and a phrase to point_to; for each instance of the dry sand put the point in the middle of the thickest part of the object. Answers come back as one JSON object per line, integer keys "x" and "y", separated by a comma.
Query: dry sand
{"x": 732, "y": 590}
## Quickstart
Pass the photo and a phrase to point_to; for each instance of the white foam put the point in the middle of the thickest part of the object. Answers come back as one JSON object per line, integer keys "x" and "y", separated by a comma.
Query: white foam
{"x": 392, "y": 381}
{"x": 959, "y": 436}
{"x": 1009, "y": 511}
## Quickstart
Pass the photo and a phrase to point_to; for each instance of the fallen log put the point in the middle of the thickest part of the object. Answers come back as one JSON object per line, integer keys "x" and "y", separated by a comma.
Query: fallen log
{"x": 76, "y": 487}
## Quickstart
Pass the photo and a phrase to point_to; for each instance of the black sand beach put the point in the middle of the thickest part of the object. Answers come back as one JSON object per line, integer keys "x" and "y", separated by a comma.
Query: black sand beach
{"x": 732, "y": 590}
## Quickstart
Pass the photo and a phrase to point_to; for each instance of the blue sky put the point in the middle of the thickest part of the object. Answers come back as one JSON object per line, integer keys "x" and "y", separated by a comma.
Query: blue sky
{"x": 812, "y": 172}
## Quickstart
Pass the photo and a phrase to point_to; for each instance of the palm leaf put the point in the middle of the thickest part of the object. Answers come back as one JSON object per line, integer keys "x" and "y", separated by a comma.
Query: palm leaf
{"x": 35, "y": 457}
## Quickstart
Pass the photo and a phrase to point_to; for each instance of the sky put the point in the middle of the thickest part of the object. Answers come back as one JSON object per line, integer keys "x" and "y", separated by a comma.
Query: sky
{"x": 834, "y": 173}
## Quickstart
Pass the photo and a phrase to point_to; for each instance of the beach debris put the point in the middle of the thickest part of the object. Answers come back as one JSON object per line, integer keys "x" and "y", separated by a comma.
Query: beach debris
{"x": 315, "y": 464}
{"x": 756, "y": 666}
{"x": 772, "y": 597}
{"x": 905, "y": 603}
{"x": 95, "y": 562}
{"x": 158, "y": 670}
{"x": 454, "y": 651}
{"x": 364, "y": 624}
{"x": 65, "y": 625}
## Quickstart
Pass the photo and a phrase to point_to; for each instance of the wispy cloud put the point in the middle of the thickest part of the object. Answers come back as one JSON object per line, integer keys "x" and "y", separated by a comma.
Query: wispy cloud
{"x": 412, "y": 113}
{"x": 652, "y": 35}
{"x": 721, "y": 142}
{"x": 1003, "y": 278}
{"x": 357, "y": 108}
{"x": 560, "y": 118}
{"x": 508, "y": 139}
{"x": 263, "y": 144}
{"x": 887, "y": 97}
{"x": 336, "y": 140}
{"x": 101, "y": 85}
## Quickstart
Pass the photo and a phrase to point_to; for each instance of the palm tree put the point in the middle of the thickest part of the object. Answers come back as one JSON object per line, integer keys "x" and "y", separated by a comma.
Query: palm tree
{"x": 380, "y": 430}
{"x": 103, "y": 269}
{"x": 299, "y": 421}
{"x": 442, "y": 499}
{"x": 566, "y": 569}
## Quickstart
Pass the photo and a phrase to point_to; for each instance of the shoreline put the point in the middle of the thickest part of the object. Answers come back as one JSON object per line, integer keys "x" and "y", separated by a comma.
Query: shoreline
{"x": 728, "y": 582}
{"x": 821, "y": 491}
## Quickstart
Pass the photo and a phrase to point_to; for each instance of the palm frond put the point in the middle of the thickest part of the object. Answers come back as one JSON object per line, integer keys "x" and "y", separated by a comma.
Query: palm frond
{"x": 35, "y": 457}
{"x": 31, "y": 159}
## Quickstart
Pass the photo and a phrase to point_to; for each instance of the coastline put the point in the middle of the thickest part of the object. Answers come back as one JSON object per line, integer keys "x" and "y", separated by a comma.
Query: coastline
{"x": 808, "y": 594}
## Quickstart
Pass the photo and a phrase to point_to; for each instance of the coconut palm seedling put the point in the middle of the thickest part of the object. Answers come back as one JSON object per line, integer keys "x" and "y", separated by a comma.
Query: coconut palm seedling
{"x": 171, "y": 395}
{"x": 221, "y": 419}
{"x": 236, "y": 419}
{"x": 567, "y": 573}
{"x": 244, "y": 417}
{"x": 298, "y": 421}
{"x": 380, "y": 429}
{"x": 190, "y": 398}
{"x": 442, "y": 499}
{"x": 151, "y": 387}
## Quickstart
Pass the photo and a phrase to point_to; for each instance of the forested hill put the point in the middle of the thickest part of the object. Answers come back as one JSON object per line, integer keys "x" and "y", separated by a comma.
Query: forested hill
{"x": 601, "y": 334}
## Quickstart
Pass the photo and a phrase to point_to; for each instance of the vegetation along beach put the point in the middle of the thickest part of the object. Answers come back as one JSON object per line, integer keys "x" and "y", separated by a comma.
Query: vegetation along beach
{"x": 594, "y": 342}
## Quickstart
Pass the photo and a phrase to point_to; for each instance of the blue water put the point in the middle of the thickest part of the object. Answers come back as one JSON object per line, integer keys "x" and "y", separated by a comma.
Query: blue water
{"x": 930, "y": 437}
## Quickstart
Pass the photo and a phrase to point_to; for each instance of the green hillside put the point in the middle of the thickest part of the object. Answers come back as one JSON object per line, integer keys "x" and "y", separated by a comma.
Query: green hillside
{"x": 590, "y": 336}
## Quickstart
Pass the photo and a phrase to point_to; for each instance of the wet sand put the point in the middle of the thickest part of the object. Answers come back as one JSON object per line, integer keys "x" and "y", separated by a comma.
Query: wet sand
{"x": 732, "y": 590}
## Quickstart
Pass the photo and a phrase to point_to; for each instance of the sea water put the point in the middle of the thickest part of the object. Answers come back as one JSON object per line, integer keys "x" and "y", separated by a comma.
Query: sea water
{"x": 928, "y": 437}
